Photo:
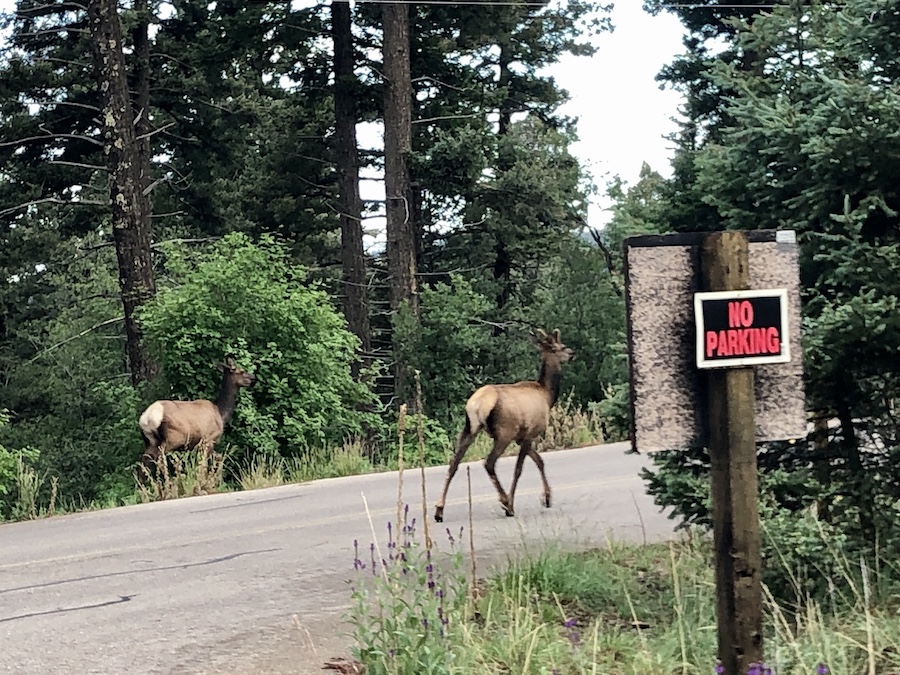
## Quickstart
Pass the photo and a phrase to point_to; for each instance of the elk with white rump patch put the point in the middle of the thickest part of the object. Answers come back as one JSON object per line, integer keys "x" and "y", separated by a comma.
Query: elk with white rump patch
{"x": 512, "y": 412}
{"x": 172, "y": 425}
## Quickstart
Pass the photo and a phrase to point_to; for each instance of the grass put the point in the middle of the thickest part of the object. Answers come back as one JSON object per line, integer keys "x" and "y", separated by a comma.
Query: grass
{"x": 191, "y": 474}
{"x": 571, "y": 426}
{"x": 183, "y": 474}
{"x": 417, "y": 607}
{"x": 617, "y": 610}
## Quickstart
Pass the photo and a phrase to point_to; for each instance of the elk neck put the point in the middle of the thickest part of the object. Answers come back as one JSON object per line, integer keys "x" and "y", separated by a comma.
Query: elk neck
{"x": 227, "y": 398}
{"x": 550, "y": 377}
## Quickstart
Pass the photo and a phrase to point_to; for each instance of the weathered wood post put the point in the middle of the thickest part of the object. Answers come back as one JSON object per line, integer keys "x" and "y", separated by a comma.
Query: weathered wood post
{"x": 735, "y": 501}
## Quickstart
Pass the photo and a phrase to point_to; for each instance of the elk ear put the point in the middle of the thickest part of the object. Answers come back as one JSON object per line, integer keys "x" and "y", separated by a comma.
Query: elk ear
{"x": 229, "y": 363}
{"x": 541, "y": 334}
{"x": 556, "y": 335}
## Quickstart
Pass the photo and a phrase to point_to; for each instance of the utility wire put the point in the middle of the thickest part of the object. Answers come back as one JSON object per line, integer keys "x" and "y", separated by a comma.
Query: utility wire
{"x": 512, "y": 3}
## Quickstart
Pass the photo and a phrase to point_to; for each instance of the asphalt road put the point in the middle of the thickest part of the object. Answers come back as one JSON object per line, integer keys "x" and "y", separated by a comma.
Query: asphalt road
{"x": 257, "y": 582}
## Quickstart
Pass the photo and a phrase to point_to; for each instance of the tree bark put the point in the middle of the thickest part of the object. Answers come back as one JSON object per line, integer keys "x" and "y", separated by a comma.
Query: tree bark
{"x": 130, "y": 217}
{"x": 503, "y": 262}
{"x": 140, "y": 87}
{"x": 401, "y": 246}
{"x": 353, "y": 260}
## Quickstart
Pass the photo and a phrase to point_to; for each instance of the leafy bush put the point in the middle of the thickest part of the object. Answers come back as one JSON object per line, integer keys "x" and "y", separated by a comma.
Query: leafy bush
{"x": 249, "y": 300}
{"x": 803, "y": 553}
{"x": 447, "y": 345}
{"x": 437, "y": 442}
{"x": 615, "y": 412}
{"x": 13, "y": 465}
{"x": 72, "y": 396}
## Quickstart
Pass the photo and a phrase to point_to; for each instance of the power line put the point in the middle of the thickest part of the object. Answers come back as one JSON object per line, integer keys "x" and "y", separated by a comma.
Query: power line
{"x": 511, "y": 3}
{"x": 783, "y": 5}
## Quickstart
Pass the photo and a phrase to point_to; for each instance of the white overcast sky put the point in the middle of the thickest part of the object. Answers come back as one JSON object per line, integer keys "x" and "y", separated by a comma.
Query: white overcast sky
{"x": 622, "y": 114}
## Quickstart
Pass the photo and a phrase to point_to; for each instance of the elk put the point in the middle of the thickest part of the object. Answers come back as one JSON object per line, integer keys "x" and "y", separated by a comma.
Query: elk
{"x": 512, "y": 412}
{"x": 170, "y": 425}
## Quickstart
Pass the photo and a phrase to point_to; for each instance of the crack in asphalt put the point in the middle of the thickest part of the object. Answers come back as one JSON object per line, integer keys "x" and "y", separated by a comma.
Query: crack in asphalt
{"x": 63, "y": 610}
{"x": 164, "y": 568}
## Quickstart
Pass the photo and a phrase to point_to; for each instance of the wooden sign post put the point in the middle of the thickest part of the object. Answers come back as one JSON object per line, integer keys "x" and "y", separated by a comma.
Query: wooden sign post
{"x": 724, "y": 263}
{"x": 716, "y": 361}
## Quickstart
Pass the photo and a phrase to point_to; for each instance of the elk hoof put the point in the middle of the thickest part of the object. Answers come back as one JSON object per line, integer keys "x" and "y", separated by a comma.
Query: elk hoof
{"x": 508, "y": 509}
{"x": 439, "y": 514}
{"x": 546, "y": 501}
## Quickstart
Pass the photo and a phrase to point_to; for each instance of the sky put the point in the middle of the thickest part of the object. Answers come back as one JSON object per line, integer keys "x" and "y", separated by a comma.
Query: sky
{"x": 623, "y": 116}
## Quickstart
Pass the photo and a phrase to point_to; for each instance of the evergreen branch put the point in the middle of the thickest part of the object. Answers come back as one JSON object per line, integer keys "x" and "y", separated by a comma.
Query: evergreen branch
{"x": 75, "y": 104}
{"x": 199, "y": 240}
{"x": 74, "y": 337}
{"x": 154, "y": 131}
{"x": 427, "y": 120}
{"x": 428, "y": 78}
{"x": 47, "y": 9}
{"x": 52, "y": 200}
{"x": 147, "y": 190}
{"x": 80, "y": 165}
{"x": 607, "y": 254}
{"x": 50, "y": 135}
{"x": 50, "y": 31}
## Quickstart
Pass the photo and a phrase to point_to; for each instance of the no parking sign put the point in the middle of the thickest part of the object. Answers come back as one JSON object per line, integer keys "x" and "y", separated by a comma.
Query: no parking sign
{"x": 741, "y": 328}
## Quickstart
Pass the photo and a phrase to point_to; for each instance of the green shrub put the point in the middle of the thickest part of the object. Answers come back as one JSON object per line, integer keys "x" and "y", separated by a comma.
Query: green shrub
{"x": 437, "y": 442}
{"x": 448, "y": 345}
{"x": 249, "y": 300}
{"x": 14, "y": 465}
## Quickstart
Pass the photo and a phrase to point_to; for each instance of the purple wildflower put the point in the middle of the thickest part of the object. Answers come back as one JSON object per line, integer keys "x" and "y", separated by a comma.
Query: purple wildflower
{"x": 822, "y": 669}
{"x": 573, "y": 635}
{"x": 720, "y": 669}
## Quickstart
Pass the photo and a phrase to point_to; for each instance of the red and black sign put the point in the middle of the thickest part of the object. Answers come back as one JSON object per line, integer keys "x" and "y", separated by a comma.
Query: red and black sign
{"x": 741, "y": 328}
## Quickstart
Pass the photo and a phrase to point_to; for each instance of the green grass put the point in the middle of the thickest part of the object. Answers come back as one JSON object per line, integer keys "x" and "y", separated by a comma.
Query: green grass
{"x": 616, "y": 610}
{"x": 189, "y": 474}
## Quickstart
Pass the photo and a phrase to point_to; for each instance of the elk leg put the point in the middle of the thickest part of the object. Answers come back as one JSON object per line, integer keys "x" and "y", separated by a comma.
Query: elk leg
{"x": 523, "y": 451}
{"x": 496, "y": 453}
{"x": 466, "y": 437}
{"x": 151, "y": 454}
{"x": 540, "y": 465}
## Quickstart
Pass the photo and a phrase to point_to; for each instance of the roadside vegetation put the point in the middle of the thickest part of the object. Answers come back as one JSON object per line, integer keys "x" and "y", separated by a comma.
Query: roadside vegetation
{"x": 25, "y": 493}
{"x": 618, "y": 609}
{"x": 216, "y": 212}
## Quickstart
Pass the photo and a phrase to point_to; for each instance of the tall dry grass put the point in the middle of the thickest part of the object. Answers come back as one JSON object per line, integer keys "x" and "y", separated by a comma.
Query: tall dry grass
{"x": 188, "y": 473}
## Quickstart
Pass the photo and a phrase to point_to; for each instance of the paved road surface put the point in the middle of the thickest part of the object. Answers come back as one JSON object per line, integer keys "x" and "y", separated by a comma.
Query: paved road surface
{"x": 256, "y": 582}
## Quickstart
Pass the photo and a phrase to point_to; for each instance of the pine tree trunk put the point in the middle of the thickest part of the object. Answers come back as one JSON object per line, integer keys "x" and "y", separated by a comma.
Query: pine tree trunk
{"x": 130, "y": 218}
{"x": 140, "y": 87}
{"x": 503, "y": 262}
{"x": 401, "y": 246}
{"x": 353, "y": 260}
{"x": 397, "y": 146}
